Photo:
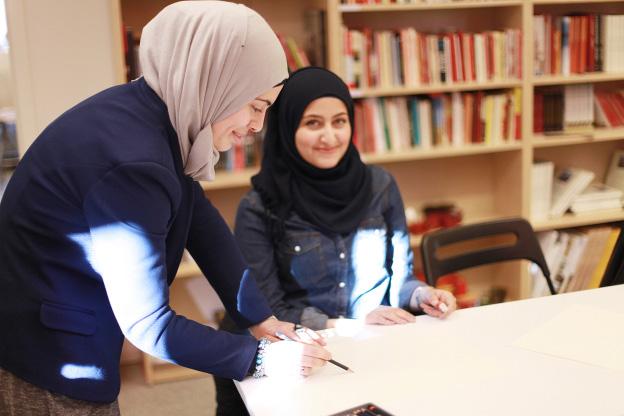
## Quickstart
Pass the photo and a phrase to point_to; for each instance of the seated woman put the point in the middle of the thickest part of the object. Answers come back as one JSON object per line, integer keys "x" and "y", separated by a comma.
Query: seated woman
{"x": 325, "y": 235}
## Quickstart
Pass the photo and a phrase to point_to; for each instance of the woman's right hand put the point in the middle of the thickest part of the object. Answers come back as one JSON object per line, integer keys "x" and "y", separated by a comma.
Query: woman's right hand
{"x": 388, "y": 315}
{"x": 288, "y": 358}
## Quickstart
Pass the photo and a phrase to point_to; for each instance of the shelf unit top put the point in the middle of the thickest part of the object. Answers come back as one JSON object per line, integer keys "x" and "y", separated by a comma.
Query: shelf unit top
{"x": 599, "y": 134}
{"x": 465, "y": 4}
{"x": 577, "y": 220}
{"x": 434, "y": 88}
{"x": 592, "y": 77}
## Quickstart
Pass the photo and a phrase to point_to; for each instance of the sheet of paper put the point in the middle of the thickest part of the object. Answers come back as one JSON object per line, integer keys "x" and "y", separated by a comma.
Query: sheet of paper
{"x": 581, "y": 333}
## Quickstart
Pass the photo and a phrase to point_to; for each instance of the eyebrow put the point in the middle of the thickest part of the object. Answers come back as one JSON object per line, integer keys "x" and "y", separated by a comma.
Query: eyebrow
{"x": 319, "y": 116}
{"x": 268, "y": 102}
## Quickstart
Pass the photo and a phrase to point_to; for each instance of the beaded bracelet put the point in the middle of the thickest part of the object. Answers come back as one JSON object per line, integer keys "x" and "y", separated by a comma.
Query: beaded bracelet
{"x": 264, "y": 342}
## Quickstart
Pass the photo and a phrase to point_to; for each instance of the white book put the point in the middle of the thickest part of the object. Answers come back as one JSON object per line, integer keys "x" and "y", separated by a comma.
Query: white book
{"x": 424, "y": 122}
{"x": 600, "y": 205}
{"x": 568, "y": 184}
{"x": 599, "y": 192}
{"x": 615, "y": 173}
{"x": 541, "y": 188}
{"x": 576, "y": 247}
{"x": 553, "y": 244}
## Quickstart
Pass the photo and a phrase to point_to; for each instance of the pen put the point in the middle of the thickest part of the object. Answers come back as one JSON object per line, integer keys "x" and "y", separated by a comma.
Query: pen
{"x": 283, "y": 337}
{"x": 442, "y": 307}
{"x": 337, "y": 364}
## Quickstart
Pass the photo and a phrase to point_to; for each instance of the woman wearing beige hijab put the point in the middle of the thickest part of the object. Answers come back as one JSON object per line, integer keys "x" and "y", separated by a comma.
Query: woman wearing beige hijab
{"x": 97, "y": 215}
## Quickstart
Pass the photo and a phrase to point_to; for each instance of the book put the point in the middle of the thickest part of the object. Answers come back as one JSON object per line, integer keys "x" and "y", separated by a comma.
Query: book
{"x": 598, "y": 273}
{"x": 541, "y": 188}
{"x": 615, "y": 172}
{"x": 568, "y": 184}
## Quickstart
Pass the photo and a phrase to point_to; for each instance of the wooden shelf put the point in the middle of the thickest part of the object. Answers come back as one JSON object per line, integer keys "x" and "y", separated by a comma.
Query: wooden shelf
{"x": 591, "y": 77}
{"x": 557, "y": 2}
{"x": 225, "y": 179}
{"x": 434, "y": 88}
{"x": 188, "y": 269}
{"x": 466, "y": 4}
{"x": 600, "y": 134}
{"x": 577, "y": 220}
{"x": 156, "y": 371}
{"x": 440, "y": 152}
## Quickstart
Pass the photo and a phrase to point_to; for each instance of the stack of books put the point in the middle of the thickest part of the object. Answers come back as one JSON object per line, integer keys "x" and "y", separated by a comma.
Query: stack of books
{"x": 597, "y": 197}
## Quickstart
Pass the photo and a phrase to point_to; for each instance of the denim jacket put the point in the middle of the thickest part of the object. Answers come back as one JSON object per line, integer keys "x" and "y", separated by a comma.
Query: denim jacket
{"x": 309, "y": 277}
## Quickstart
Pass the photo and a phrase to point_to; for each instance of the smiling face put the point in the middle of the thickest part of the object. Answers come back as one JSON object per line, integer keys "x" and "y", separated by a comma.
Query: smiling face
{"x": 324, "y": 132}
{"x": 248, "y": 119}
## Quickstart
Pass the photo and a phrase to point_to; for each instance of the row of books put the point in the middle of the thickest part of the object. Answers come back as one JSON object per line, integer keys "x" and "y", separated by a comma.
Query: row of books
{"x": 574, "y": 189}
{"x": 296, "y": 56}
{"x": 577, "y": 259}
{"x": 242, "y": 155}
{"x": 574, "y": 107}
{"x": 576, "y": 44}
{"x": 566, "y": 108}
{"x": 405, "y": 57}
{"x": 457, "y": 119}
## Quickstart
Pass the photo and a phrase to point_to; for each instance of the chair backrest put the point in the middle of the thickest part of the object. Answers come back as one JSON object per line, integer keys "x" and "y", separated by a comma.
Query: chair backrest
{"x": 525, "y": 246}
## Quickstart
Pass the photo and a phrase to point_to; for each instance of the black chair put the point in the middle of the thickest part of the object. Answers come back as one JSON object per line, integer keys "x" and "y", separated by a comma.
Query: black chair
{"x": 525, "y": 246}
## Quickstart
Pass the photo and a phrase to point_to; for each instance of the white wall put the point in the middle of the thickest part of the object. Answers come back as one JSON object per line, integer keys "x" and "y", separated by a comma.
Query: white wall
{"x": 6, "y": 89}
{"x": 62, "y": 51}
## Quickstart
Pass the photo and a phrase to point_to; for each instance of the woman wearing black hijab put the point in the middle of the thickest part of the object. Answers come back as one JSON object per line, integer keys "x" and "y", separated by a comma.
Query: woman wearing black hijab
{"x": 325, "y": 235}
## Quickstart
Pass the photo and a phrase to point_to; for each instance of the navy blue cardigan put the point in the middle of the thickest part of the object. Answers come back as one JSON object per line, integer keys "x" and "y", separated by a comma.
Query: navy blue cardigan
{"x": 92, "y": 228}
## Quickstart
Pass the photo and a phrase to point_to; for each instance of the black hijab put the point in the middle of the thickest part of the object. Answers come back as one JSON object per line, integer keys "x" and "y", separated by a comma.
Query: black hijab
{"x": 336, "y": 199}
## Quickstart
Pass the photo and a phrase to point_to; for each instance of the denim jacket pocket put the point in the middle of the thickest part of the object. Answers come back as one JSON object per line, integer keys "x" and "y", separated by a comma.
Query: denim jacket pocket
{"x": 67, "y": 318}
{"x": 301, "y": 252}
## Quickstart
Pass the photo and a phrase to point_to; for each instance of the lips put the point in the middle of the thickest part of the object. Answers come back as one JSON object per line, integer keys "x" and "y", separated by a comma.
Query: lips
{"x": 326, "y": 149}
{"x": 238, "y": 138}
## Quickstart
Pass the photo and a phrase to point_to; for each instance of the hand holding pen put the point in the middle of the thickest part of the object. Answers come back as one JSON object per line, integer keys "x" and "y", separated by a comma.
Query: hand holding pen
{"x": 435, "y": 302}
{"x": 306, "y": 334}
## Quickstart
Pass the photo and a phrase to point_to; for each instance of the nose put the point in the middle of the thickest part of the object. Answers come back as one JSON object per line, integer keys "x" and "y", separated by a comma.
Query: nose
{"x": 256, "y": 123}
{"x": 328, "y": 135}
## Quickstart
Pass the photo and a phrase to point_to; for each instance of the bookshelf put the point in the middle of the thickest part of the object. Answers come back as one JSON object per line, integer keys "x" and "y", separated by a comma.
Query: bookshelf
{"x": 485, "y": 181}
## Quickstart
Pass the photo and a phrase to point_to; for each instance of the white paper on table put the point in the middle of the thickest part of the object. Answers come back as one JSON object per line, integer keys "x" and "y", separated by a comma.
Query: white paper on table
{"x": 581, "y": 333}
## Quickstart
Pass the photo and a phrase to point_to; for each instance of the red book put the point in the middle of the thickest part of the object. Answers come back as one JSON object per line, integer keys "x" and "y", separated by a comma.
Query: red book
{"x": 424, "y": 60}
{"x": 607, "y": 108}
{"x": 574, "y": 44}
{"x": 477, "y": 123}
{"x": 489, "y": 54}
{"x": 618, "y": 103}
{"x": 591, "y": 44}
{"x": 557, "y": 46}
{"x": 459, "y": 57}
{"x": 583, "y": 23}
{"x": 449, "y": 38}
{"x": 473, "y": 68}
{"x": 370, "y": 53}
{"x": 290, "y": 60}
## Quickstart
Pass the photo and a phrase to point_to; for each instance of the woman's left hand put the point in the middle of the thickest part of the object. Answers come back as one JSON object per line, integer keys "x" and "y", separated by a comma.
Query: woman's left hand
{"x": 435, "y": 302}
{"x": 276, "y": 330}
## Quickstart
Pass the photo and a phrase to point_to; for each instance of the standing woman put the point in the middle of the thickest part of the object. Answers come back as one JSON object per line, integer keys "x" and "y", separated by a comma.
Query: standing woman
{"x": 324, "y": 234}
{"x": 97, "y": 215}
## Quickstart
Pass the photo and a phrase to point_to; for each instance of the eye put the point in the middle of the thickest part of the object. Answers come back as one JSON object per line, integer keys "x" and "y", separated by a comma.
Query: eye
{"x": 340, "y": 122}
{"x": 312, "y": 123}
{"x": 256, "y": 109}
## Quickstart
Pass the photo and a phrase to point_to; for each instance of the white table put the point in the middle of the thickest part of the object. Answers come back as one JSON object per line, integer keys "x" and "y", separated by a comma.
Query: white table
{"x": 465, "y": 365}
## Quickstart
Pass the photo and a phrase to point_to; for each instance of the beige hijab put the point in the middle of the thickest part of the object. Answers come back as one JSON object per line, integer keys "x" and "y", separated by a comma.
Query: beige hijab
{"x": 206, "y": 60}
